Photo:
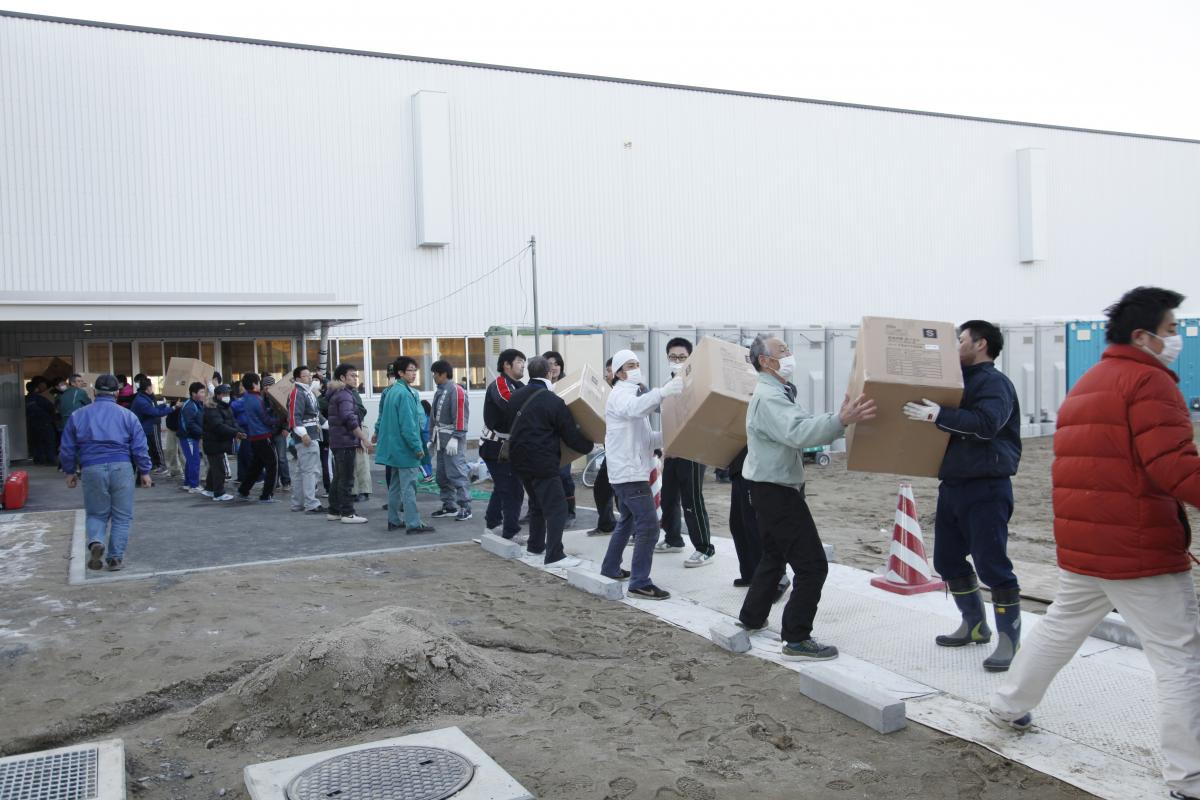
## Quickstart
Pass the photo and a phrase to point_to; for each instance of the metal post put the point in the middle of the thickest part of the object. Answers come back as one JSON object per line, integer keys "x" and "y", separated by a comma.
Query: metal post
{"x": 323, "y": 356}
{"x": 537, "y": 332}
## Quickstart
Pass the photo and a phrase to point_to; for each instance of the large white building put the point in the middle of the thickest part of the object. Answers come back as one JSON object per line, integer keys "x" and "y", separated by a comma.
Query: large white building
{"x": 166, "y": 193}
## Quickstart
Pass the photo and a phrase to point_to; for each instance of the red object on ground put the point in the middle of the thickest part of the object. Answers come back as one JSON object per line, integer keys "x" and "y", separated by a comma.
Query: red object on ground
{"x": 908, "y": 570}
{"x": 16, "y": 490}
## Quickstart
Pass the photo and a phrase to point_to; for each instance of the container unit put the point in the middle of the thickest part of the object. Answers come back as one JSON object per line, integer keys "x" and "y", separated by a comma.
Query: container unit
{"x": 1188, "y": 365}
{"x": 621, "y": 336}
{"x": 728, "y": 333}
{"x": 502, "y": 337}
{"x": 1018, "y": 360}
{"x": 840, "y": 344}
{"x": 1085, "y": 345}
{"x": 807, "y": 343}
{"x": 578, "y": 346}
{"x": 659, "y": 368}
{"x": 1051, "y": 342}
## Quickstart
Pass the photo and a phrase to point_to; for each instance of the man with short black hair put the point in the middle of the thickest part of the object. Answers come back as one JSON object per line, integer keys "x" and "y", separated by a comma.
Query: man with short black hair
{"x": 346, "y": 438}
{"x": 99, "y": 444}
{"x": 73, "y": 397}
{"x": 539, "y": 424}
{"x": 683, "y": 486}
{"x": 304, "y": 423}
{"x": 191, "y": 431}
{"x": 450, "y": 415}
{"x": 975, "y": 499}
{"x": 1125, "y": 462}
{"x": 260, "y": 429}
{"x": 504, "y": 508}
{"x": 402, "y": 447}
{"x": 558, "y": 368}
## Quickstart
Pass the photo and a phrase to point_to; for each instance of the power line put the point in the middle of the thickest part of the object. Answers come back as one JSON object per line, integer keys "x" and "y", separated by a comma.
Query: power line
{"x": 448, "y": 295}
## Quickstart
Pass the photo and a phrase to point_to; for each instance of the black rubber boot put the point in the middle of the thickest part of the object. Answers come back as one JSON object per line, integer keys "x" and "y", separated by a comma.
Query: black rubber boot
{"x": 1006, "y": 605}
{"x": 973, "y": 629}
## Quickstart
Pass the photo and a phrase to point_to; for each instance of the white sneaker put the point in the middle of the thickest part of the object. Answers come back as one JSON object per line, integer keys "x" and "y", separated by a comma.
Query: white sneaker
{"x": 206, "y": 493}
{"x": 521, "y": 539}
{"x": 353, "y": 520}
{"x": 496, "y": 531}
{"x": 698, "y": 559}
{"x": 566, "y": 562}
{"x": 225, "y": 498}
{"x": 663, "y": 547}
{"x": 195, "y": 490}
{"x": 333, "y": 517}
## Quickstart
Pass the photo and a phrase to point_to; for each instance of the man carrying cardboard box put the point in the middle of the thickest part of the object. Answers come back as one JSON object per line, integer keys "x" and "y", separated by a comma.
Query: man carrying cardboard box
{"x": 683, "y": 486}
{"x": 777, "y": 431}
{"x": 975, "y": 499}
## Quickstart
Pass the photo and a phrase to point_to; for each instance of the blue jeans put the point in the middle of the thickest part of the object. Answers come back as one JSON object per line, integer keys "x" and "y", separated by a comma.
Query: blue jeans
{"x": 639, "y": 519}
{"x": 191, "y": 461}
{"x": 972, "y": 519}
{"x": 402, "y": 492}
{"x": 108, "y": 496}
{"x": 507, "y": 494}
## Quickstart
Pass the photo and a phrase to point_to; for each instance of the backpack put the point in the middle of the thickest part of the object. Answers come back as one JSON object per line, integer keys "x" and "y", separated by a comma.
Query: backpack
{"x": 173, "y": 420}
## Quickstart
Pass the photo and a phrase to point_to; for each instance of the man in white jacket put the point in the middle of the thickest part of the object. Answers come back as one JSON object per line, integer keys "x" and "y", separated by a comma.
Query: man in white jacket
{"x": 629, "y": 445}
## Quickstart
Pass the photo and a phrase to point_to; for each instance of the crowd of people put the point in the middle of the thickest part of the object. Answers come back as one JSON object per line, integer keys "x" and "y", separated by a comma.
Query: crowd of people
{"x": 1126, "y": 463}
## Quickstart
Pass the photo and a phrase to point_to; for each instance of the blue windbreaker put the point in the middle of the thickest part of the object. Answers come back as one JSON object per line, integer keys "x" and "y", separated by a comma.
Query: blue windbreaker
{"x": 103, "y": 433}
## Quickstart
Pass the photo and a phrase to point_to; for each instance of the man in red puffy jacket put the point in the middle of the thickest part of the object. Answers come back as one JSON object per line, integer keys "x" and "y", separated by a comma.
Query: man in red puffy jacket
{"x": 1125, "y": 461}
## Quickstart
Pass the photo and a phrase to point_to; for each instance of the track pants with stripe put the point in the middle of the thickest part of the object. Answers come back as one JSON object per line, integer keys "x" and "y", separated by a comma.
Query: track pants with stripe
{"x": 683, "y": 485}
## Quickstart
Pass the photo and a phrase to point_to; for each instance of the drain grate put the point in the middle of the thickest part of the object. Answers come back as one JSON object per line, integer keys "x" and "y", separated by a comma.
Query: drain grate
{"x": 384, "y": 773}
{"x": 63, "y": 775}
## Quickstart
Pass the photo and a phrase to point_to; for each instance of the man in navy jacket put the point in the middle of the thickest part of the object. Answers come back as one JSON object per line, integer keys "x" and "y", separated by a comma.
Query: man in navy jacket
{"x": 975, "y": 500}
{"x": 260, "y": 428}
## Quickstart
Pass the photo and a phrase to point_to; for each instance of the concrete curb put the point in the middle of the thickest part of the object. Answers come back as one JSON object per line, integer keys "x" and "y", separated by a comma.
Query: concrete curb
{"x": 730, "y": 637}
{"x": 595, "y": 583}
{"x": 1116, "y": 630}
{"x": 873, "y": 708}
{"x": 499, "y": 546}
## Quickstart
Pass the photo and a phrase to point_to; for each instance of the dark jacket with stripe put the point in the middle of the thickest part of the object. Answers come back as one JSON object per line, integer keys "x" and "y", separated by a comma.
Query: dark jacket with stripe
{"x": 985, "y": 430}
{"x": 495, "y": 414}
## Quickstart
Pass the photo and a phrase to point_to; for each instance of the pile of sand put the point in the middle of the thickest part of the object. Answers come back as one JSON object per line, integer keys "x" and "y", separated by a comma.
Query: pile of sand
{"x": 387, "y": 669}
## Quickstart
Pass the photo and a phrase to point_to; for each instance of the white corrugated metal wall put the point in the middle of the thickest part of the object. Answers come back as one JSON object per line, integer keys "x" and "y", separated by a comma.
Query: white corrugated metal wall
{"x": 144, "y": 162}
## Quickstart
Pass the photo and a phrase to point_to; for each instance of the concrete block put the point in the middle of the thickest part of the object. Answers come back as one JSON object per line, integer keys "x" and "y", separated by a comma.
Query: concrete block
{"x": 831, "y": 687}
{"x": 498, "y": 545}
{"x": 1114, "y": 629}
{"x": 730, "y": 637}
{"x": 595, "y": 583}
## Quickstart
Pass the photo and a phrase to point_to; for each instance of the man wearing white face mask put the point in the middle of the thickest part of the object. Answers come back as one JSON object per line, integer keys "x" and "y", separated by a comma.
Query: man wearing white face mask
{"x": 1125, "y": 461}
{"x": 629, "y": 445}
{"x": 683, "y": 486}
{"x": 777, "y": 431}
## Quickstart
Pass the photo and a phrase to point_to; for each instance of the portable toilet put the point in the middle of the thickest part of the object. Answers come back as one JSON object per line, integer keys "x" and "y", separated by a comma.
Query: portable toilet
{"x": 627, "y": 337}
{"x": 728, "y": 333}
{"x": 840, "y": 343}
{"x": 579, "y": 345}
{"x": 1051, "y": 371}
{"x": 1188, "y": 365}
{"x": 1085, "y": 345}
{"x": 1018, "y": 360}
{"x": 807, "y": 343}
{"x": 659, "y": 368}
{"x": 499, "y": 338}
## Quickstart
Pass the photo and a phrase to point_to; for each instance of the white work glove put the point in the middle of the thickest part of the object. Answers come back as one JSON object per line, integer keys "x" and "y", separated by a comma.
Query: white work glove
{"x": 672, "y": 387}
{"x": 452, "y": 447}
{"x": 924, "y": 411}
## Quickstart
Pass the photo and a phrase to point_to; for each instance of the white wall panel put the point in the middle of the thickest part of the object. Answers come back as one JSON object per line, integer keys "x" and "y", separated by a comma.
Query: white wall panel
{"x": 144, "y": 162}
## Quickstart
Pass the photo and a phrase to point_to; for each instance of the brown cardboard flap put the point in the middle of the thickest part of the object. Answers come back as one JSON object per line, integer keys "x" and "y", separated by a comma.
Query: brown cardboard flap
{"x": 182, "y": 373}
{"x": 897, "y": 361}
{"x": 706, "y": 422}
{"x": 585, "y": 392}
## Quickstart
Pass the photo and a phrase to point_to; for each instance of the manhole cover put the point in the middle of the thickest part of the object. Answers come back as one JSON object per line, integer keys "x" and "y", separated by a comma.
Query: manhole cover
{"x": 384, "y": 773}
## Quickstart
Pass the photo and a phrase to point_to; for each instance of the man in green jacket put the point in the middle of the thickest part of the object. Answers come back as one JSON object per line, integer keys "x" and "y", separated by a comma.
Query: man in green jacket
{"x": 777, "y": 431}
{"x": 72, "y": 398}
{"x": 402, "y": 447}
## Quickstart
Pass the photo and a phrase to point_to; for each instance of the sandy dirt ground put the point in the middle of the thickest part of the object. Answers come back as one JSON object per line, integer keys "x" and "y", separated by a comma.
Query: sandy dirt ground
{"x": 202, "y": 674}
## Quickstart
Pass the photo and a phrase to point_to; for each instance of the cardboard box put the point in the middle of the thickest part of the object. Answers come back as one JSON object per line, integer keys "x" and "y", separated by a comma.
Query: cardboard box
{"x": 279, "y": 392}
{"x": 707, "y": 421}
{"x": 182, "y": 373}
{"x": 897, "y": 361}
{"x": 57, "y": 370}
{"x": 586, "y": 393}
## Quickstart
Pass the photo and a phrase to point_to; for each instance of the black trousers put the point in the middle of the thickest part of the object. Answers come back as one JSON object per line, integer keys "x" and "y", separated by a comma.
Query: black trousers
{"x": 262, "y": 458}
{"x": 547, "y": 515}
{"x": 603, "y": 494}
{"x": 341, "y": 499}
{"x": 683, "y": 484}
{"x": 743, "y": 527}
{"x": 218, "y": 473}
{"x": 789, "y": 538}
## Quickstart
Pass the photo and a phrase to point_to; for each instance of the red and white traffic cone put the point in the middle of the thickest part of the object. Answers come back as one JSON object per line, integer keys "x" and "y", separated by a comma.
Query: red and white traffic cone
{"x": 908, "y": 570}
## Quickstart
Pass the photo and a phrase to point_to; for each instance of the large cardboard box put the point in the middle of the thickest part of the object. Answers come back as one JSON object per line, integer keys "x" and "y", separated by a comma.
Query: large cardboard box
{"x": 586, "y": 393}
{"x": 897, "y": 361}
{"x": 707, "y": 421}
{"x": 57, "y": 370}
{"x": 279, "y": 392}
{"x": 182, "y": 373}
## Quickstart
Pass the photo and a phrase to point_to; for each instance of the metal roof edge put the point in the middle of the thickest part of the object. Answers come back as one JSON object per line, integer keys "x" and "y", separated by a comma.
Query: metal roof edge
{"x": 575, "y": 76}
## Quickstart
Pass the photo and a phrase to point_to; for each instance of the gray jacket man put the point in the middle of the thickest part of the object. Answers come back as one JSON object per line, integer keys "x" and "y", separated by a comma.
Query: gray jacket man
{"x": 450, "y": 415}
{"x": 304, "y": 422}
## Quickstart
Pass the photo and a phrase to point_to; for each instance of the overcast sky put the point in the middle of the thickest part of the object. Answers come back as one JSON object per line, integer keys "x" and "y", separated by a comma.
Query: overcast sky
{"x": 1096, "y": 64}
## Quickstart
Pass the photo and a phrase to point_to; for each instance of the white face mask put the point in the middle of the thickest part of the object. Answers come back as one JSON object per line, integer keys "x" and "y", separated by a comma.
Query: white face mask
{"x": 675, "y": 368}
{"x": 224, "y": 399}
{"x": 1172, "y": 347}
{"x": 634, "y": 375}
{"x": 315, "y": 386}
{"x": 787, "y": 365}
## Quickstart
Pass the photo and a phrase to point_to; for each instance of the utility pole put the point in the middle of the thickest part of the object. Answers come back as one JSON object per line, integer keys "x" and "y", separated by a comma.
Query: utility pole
{"x": 537, "y": 331}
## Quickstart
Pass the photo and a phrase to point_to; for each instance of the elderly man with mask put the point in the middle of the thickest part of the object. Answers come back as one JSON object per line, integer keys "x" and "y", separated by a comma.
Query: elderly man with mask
{"x": 629, "y": 445}
{"x": 777, "y": 432}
